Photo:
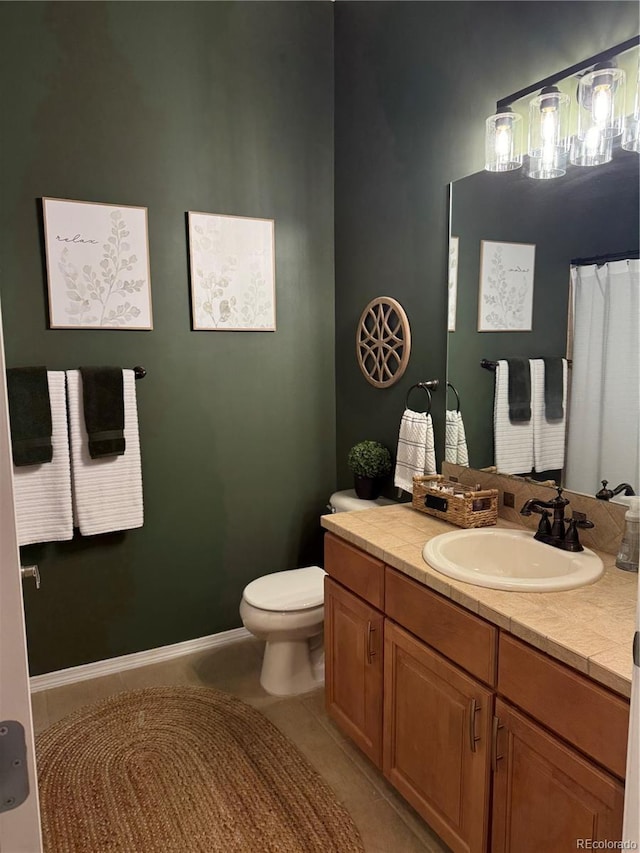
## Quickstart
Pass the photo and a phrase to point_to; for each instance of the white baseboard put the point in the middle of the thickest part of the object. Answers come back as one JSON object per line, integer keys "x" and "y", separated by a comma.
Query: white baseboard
{"x": 111, "y": 665}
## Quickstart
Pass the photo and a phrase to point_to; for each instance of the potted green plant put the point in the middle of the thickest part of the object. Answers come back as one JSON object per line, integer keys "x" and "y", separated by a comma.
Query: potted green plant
{"x": 368, "y": 461}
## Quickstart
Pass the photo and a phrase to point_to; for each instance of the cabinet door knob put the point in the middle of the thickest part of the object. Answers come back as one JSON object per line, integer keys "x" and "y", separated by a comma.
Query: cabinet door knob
{"x": 370, "y": 631}
{"x": 473, "y": 737}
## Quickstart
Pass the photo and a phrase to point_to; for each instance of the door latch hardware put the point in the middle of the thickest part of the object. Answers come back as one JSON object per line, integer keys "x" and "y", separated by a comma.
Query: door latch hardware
{"x": 31, "y": 572}
{"x": 14, "y": 776}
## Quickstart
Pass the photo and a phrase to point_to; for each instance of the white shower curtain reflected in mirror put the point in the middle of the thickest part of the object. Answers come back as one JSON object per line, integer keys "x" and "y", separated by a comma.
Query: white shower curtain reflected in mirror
{"x": 604, "y": 410}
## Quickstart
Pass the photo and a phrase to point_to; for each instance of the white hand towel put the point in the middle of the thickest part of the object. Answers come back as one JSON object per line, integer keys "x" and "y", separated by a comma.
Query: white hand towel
{"x": 416, "y": 451}
{"x": 455, "y": 439}
{"x": 451, "y": 437}
{"x": 513, "y": 441}
{"x": 107, "y": 492}
{"x": 43, "y": 492}
{"x": 548, "y": 436}
{"x": 463, "y": 451}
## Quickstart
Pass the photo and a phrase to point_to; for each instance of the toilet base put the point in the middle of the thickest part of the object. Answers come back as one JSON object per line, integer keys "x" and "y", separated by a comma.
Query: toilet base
{"x": 287, "y": 668}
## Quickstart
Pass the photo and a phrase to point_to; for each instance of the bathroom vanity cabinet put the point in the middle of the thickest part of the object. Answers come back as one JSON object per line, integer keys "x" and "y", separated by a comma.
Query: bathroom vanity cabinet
{"x": 353, "y": 626}
{"x": 353, "y": 667}
{"x": 496, "y": 745}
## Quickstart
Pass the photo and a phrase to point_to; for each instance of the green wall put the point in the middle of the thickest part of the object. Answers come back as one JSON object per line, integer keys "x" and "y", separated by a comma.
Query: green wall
{"x": 414, "y": 84}
{"x": 228, "y": 107}
{"x": 220, "y": 107}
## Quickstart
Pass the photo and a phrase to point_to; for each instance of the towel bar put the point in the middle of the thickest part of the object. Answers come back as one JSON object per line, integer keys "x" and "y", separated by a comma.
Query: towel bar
{"x": 449, "y": 385}
{"x": 491, "y": 365}
{"x": 429, "y": 386}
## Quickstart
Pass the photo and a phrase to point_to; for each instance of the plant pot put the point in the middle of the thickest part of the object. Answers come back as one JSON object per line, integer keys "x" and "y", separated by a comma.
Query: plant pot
{"x": 367, "y": 488}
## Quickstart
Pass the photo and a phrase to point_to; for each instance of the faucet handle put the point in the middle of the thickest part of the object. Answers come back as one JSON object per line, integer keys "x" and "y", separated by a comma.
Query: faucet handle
{"x": 572, "y": 540}
{"x": 544, "y": 525}
{"x": 604, "y": 494}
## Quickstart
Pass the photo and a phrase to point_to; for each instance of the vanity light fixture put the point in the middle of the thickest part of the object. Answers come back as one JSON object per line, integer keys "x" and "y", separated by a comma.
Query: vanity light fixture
{"x": 548, "y": 134}
{"x": 503, "y": 141}
{"x": 601, "y": 95}
{"x": 599, "y": 122}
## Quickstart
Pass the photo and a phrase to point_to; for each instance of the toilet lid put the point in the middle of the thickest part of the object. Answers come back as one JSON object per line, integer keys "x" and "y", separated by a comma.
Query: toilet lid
{"x": 296, "y": 589}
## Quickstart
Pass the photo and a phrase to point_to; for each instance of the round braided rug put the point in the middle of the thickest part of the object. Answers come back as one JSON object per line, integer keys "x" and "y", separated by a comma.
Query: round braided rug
{"x": 182, "y": 770}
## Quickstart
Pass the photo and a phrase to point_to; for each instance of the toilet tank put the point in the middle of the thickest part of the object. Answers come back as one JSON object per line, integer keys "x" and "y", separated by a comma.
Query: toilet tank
{"x": 348, "y": 501}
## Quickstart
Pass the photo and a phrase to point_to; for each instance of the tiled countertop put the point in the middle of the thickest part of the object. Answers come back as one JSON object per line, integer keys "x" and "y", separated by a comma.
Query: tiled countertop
{"x": 590, "y": 628}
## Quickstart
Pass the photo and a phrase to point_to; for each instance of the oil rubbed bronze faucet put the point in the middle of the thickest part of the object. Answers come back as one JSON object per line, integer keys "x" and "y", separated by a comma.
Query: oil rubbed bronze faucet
{"x": 560, "y": 533}
{"x": 606, "y": 494}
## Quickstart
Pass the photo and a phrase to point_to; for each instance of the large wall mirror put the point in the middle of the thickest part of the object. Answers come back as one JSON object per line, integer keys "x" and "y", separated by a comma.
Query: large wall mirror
{"x": 588, "y": 218}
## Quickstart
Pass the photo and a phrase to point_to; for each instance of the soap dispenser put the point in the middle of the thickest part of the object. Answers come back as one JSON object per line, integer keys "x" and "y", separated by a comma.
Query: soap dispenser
{"x": 629, "y": 551}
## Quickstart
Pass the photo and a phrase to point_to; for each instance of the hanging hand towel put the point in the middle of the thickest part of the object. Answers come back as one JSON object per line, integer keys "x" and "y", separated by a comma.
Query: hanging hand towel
{"x": 107, "y": 492}
{"x": 519, "y": 389}
{"x": 30, "y": 415}
{"x": 555, "y": 382}
{"x": 513, "y": 441}
{"x": 455, "y": 440}
{"x": 416, "y": 452}
{"x": 463, "y": 451}
{"x": 103, "y": 406}
{"x": 42, "y": 493}
{"x": 548, "y": 432}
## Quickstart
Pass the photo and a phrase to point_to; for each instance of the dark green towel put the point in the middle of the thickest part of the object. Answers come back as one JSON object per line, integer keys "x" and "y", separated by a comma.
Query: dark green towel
{"x": 103, "y": 404}
{"x": 519, "y": 390}
{"x": 553, "y": 388}
{"x": 30, "y": 415}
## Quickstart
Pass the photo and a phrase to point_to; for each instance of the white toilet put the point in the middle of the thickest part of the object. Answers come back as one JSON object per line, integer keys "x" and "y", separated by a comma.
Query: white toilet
{"x": 286, "y": 609}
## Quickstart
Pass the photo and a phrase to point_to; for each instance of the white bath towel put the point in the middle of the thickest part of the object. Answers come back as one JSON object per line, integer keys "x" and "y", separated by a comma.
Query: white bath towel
{"x": 43, "y": 492}
{"x": 548, "y": 435}
{"x": 416, "y": 451}
{"x": 107, "y": 492}
{"x": 455, "y": 447}
{"x": 513, "y": 441}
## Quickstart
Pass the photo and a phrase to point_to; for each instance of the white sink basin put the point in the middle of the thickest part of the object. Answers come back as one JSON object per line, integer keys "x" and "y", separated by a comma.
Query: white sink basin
{"x": 510, "y": 559}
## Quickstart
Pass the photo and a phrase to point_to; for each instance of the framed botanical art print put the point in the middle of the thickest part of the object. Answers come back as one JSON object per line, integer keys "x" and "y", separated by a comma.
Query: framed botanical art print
{"x": 505, "y": 302}
{"x": 453, "y": 282}
{"x": 232, "y": 273}
{"x": 97, "y": 265}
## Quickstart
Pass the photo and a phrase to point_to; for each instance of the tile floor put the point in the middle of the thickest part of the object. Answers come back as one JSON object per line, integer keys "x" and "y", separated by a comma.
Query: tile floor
{"x": 386, "y": 823}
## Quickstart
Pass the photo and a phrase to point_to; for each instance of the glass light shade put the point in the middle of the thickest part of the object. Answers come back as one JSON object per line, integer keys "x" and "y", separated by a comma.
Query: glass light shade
{"x": 601, "y": 98}
{"x": 595, "y": 150}
{"x": 548, "y": 134}
{"x": 631, "y": 134}
{"x": 631, "y": 131}
{"x": 503, "y": 142}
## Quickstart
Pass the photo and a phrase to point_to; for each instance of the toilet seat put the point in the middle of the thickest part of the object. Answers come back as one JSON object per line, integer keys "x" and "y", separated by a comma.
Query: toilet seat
{"x": 295, "y": 589}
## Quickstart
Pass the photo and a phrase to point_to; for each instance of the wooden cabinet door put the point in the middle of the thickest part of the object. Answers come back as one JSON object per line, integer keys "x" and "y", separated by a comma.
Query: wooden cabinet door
{"x": 546, "y": 796}
{"x": 354, "y": 667}
{"x": 437, "y": 728}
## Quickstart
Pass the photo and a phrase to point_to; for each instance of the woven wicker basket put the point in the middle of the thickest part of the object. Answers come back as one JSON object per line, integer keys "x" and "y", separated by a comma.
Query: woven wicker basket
{"x": 459, "y": 504}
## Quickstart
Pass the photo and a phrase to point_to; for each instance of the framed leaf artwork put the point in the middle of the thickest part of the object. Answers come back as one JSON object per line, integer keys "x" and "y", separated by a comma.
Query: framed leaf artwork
{"x": 505, "y": 301}
{"x": 97, "y": 265}
{"x": 232, "y": 273}
{"x": 453, "y": 282}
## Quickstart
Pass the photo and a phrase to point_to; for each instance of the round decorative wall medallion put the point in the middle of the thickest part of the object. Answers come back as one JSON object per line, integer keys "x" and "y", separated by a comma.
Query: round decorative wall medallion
{"x": 383, "y": 341}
